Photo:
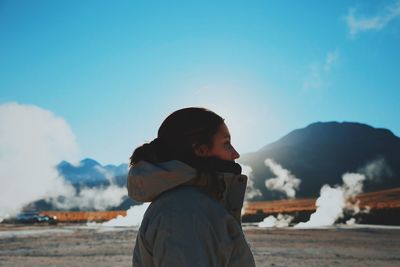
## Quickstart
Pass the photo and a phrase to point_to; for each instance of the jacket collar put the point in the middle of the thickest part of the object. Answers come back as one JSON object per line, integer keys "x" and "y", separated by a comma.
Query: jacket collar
{"x": 146, "y": 181}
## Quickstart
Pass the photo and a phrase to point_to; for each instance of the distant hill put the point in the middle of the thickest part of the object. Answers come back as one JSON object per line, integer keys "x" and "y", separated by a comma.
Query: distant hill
{"x": 322, "y": 152}
{"x": 90, "y": 173}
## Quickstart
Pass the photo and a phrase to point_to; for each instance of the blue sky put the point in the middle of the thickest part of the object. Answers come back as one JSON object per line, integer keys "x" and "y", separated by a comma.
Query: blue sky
{"x": 115, "y": 69}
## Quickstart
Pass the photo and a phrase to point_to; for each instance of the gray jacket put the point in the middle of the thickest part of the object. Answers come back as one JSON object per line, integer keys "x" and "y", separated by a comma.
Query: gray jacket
{"x": 185, "y": 225}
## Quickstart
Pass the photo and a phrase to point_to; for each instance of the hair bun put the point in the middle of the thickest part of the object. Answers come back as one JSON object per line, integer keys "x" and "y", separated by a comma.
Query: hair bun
{"x": 146, "y": 152}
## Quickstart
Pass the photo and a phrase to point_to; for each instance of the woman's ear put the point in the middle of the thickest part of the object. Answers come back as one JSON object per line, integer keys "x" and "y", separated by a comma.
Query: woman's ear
{"x": 201, "y": 150}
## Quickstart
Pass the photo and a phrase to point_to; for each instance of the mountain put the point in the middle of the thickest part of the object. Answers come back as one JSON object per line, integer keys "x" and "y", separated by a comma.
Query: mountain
{"x": 322, "y": 152}
{"x": 91, "y": 173}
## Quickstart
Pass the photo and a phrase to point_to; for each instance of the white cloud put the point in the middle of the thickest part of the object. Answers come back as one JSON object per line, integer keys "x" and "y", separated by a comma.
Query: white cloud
{"x": 358, "y": 24}
{"x": 314, "y": 77}
{"x": 318, "y": 74}
{"x": 331, "y": 59}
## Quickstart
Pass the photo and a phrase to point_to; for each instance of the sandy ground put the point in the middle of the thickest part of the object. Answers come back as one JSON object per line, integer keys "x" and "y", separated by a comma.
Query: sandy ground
{"x": 74, "y": 245}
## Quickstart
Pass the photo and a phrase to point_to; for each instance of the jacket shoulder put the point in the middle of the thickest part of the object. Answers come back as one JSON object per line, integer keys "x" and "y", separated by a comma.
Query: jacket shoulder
{"x": 186, "y": 206}
{"x": 185, "y": 226}
{"x": 186, "y": 200}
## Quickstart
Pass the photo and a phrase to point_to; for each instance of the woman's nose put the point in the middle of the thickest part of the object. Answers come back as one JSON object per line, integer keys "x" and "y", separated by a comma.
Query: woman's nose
{"x": 235, "y": 154}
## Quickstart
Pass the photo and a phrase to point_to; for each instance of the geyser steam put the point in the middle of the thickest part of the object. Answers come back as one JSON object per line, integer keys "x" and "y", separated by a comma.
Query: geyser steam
{"x": 32, "y": 142}
{"x": 251, "y": 191}
{"x": 333, "y": 200}
{"x": 284, "y": 181}
{"x": 133, "y": 216}
{"x": 282, "y": 220}
{"x": 100, "y": 198}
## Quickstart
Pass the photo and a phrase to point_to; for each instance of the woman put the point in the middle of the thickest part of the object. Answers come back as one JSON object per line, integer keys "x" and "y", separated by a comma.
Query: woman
{"x": 189, "y": 174}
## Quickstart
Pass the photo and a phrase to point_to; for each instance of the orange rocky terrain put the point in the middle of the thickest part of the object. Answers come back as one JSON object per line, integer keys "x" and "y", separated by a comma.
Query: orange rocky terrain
{"x": 84, "y": 216}
{"x": 387, "y": 199}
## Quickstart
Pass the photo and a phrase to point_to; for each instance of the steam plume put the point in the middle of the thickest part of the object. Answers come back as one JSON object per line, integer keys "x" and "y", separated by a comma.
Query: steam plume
{"x": 133, "y": 217}
{"x": 284, "y": 181}
{"x": 375, "y": 169}
{"x": 32, "y": 142}
{"x": 91, "y": 198}
{"x": 281, "y": 220}
{"x": 251, "y": 190}
{"x": 333, "y": 200}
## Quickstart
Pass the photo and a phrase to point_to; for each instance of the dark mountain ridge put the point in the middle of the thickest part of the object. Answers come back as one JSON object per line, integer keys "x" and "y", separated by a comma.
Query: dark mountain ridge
{"x": 322, "y": 152}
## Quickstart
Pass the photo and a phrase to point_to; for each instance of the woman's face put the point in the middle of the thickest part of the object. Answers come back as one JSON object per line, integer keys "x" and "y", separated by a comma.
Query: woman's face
{"x": 222, "y": 147}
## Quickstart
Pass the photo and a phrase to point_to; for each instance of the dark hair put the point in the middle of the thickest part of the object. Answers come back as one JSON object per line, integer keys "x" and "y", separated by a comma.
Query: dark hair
{"x": 179, "y": 134}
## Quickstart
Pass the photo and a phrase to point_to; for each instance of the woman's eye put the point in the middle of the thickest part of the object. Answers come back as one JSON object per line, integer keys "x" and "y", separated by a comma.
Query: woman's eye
{"x": 227, "y": 144}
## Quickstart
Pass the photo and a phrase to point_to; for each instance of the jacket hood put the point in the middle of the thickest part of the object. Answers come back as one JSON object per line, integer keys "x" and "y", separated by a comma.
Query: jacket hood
{"x": 146, "y": 181}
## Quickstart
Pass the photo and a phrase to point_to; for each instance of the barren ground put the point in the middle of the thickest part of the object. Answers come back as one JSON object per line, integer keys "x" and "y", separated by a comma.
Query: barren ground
{"x": 73, "y": 245}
